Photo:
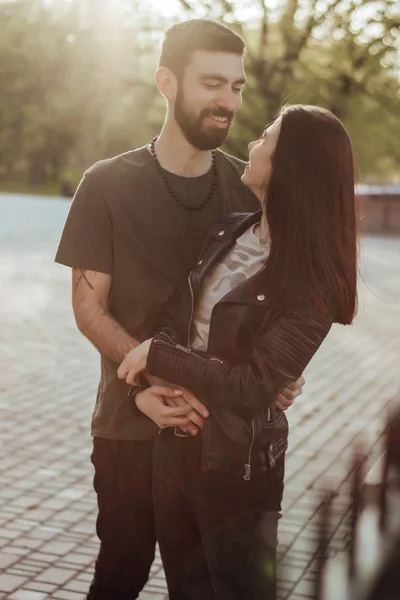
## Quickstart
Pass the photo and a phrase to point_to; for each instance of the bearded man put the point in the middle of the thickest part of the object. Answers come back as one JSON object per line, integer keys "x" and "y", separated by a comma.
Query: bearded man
{"x": 133, "y": 233}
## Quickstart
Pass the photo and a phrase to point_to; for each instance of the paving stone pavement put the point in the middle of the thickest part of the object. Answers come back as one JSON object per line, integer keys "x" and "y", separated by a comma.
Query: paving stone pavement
{"x": 48, "y": 380}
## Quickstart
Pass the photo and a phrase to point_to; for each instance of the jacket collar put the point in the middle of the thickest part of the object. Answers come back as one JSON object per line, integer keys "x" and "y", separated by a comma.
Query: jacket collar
{"x": 222, "y": 236}
{"x": 231, "y": 226}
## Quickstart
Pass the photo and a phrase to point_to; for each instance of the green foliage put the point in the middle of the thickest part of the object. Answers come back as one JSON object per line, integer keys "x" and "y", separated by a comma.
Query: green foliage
{"x": 336, "y": 58}
{"x": 77, "y": 86}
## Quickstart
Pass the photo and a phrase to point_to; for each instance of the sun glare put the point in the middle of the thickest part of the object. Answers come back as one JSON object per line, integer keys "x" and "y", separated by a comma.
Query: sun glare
{"x": 162, "y": 8}
{"x": 166, "y": 8}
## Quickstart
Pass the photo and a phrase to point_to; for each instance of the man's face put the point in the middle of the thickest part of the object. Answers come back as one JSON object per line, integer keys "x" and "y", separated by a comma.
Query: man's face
{"x": 209, "y": 94}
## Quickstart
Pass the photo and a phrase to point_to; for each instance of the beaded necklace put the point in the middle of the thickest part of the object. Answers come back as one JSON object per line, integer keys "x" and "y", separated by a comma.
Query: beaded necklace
{"x": 171, "y": 191}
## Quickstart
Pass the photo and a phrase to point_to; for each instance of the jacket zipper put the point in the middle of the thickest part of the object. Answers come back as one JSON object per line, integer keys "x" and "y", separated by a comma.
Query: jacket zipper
{"x": 247, "y": 466}
{"x": 188, "y": 350}
{"x": 192, "y": 308}
{"x": 271, "y": 457}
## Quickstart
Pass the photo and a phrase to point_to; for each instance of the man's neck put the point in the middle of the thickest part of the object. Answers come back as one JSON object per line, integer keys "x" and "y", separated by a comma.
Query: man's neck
{"x": 176, "y": 155}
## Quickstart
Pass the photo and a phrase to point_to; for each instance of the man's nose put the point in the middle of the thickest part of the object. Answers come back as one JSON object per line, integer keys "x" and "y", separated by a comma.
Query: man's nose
{"x": 229, "y": 101}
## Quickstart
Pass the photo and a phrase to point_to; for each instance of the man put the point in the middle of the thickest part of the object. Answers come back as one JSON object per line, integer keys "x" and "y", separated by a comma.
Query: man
{"x": 133, "y": 233}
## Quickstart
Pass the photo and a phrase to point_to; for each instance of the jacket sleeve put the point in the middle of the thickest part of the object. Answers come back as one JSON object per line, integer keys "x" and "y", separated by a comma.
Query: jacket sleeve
{"x": 278, "y": 358}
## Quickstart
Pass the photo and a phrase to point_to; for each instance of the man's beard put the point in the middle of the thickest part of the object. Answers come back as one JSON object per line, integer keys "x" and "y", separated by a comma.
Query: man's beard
{"x": 192, "y": 125}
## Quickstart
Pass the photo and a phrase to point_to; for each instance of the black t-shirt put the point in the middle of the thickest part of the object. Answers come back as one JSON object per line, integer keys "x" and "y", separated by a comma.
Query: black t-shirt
{"x": 123, "y": 222}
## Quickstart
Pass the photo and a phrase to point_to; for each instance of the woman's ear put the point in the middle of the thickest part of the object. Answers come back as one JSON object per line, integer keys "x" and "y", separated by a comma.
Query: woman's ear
{"x": 167, "y": 83}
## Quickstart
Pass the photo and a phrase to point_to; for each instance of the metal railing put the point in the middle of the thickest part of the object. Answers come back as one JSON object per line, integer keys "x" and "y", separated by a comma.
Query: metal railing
{"x": 371, "y": 570}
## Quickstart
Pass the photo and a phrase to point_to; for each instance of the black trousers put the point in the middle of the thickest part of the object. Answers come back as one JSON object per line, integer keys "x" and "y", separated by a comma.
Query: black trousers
{"x": 217, "y": 533}
{"x": 125, "y": 523}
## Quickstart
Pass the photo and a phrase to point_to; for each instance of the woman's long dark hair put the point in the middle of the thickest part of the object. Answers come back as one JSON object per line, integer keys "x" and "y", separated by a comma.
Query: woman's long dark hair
{"x": 311, "y": 212}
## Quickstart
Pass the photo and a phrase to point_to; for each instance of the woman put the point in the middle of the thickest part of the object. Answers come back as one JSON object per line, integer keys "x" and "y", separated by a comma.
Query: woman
{"x": 263, "y": 297}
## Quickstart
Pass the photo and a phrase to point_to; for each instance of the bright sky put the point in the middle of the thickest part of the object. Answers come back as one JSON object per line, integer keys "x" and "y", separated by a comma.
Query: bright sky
{"x": 167, "y": 8}
{"x": 246, "y": 10}
{"x": 170, "y": 8}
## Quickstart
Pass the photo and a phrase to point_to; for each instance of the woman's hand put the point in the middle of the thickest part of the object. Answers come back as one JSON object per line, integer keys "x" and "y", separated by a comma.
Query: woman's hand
{"x": 134, "y": 362}
{"x": 196, "y": 416}
{"x": 151, "y": 403}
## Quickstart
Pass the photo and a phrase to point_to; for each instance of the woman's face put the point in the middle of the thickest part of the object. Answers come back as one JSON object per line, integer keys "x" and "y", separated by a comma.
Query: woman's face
{"x": 258, "y": 171}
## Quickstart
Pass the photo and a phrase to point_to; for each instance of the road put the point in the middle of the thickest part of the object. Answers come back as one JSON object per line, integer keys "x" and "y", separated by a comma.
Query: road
{"x": 49, "y": 374}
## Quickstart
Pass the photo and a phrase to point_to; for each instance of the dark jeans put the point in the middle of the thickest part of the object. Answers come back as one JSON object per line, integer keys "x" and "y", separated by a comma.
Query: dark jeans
{"x": 125, "y": 522}
{"x": 217, "y": 533}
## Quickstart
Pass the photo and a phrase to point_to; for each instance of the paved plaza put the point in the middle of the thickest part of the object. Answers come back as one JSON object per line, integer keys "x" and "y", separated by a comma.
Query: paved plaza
{"x": 49, "y": 375}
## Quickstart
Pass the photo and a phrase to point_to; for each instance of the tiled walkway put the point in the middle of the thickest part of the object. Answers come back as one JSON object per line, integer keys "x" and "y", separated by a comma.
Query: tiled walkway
{"x": 47, "y": 388}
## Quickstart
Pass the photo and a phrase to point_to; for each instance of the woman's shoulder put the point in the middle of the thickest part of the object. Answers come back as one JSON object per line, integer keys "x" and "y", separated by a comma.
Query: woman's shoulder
{"x": 228, "y": 228}
{"x": 306, "y": 304}
{"x": 234, "y": 217}
{"x": 235, "y": 221}
{"x": 316, "y": 301}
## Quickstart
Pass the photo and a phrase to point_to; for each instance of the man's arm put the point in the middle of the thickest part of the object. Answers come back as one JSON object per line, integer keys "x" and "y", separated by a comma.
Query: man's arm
{"x": 286, "y": 398}
{"x": 90, "y": 293}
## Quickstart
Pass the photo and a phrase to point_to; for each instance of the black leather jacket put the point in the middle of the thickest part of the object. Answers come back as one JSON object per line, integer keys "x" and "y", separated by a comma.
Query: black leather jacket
{"x": 253, "y": 353}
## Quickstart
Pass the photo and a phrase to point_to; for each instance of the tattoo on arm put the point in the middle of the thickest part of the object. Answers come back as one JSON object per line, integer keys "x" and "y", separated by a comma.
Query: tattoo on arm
{"x": 83, "y": 277}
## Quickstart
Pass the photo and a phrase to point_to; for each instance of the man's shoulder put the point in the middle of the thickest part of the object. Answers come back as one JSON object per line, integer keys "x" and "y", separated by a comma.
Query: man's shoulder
{"x": 118, "y": 167}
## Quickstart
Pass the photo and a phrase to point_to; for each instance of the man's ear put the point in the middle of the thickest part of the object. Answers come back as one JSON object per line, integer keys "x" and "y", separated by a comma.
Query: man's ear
{"x": 167, "y": 83}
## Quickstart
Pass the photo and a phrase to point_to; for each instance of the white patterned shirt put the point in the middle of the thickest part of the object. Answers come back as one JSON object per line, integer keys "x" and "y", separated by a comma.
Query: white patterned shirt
{"x": 244, "y": 260}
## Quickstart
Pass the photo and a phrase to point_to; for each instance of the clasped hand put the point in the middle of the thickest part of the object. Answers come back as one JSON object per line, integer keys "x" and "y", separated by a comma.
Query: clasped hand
{"x": 171, "y": 407}
{"x": 164, "y": 404}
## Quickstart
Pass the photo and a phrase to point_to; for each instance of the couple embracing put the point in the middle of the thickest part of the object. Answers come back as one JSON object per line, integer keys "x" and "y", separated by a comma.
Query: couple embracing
{"x": 207, "y": 285}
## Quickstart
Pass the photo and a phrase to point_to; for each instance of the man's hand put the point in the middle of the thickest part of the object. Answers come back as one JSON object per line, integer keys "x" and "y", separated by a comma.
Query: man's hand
{"x": 286, "y": 398}
{"x": 151, "y": 403}
{"x": 134, "y": 362}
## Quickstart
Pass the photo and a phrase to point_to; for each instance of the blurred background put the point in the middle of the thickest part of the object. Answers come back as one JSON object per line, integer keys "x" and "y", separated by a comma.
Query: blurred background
{"x": 77, "y": 86}
{"x": 77, "y": 78}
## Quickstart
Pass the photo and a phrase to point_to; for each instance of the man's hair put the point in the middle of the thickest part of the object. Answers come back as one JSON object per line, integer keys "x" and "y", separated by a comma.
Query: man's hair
{"x": 183, "y": 39}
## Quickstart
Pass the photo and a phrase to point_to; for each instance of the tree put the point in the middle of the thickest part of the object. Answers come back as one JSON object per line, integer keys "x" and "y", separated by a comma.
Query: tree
{"x": 76, "y": 77}
{"x": 340, "y": 54}
{"x": 70, "y": 92}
